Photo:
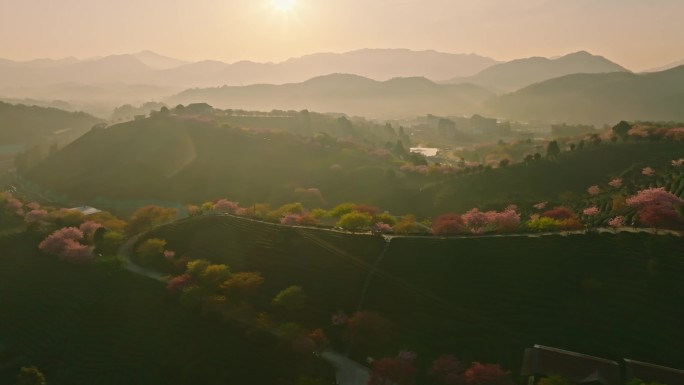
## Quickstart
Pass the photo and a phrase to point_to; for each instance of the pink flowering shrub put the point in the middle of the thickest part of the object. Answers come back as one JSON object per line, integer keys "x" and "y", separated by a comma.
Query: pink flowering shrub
{"x": 540, "y": 206}
{"x": 33, "y": 206}
{"x": 617, "y": 221}
{"x": 648, "y": 171}
{"x": 479, "y": 222}
{"x": 448, "y": 224}
{"x": 382, "y": 227}
{"x": 180, "y": 283}
{"x": 615, "y": 183}
{"x": 225, "y": 206}
{"x": 64, "y": 243}
{"x": 657, "y": 207}
{"x": 35, "y": 216}
{"x": 290, "y": 219}
{"x": 676, "y": 133}
{"x": 678, "y": 162}
{"x": 655, "y": 196}
{"x": 476, "y": 220}
{"x": 14, "y": 205}
{"x": 88, "y": 228}
{"x": 594, "y": 190}
{"x": 193, "y": 210}
{"x": 591, "y": 211}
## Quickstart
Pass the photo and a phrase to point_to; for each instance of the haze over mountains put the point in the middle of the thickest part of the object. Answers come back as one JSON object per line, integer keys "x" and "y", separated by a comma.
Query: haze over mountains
{"x": 516, "y": 74}
{"x": 376, "y": 83}
{"x": 351, "y": 94}
{"x": 149, "y": 68}
{"x": 598, "y": 98}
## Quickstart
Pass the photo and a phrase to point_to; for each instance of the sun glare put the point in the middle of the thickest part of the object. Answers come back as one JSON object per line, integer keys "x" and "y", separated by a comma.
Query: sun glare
{"x": 283, "y": 5}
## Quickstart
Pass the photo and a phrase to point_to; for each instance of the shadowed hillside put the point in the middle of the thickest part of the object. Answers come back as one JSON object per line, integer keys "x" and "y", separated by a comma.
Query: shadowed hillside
{"x": 481, "y": 298}
{"x": 97, "y": 325}
{"x": 20, "y": 124}
{"x": 188, "y": 160}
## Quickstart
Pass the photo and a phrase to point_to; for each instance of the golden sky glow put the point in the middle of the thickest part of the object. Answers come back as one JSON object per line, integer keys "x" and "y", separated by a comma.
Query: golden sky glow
{"x": 283, "y": 5}
{"x": 638, "y": 34}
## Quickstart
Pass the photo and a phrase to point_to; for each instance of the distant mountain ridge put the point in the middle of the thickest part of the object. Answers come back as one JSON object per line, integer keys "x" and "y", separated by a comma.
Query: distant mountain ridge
{"x": 598, "y": 98}
{"x": 667, "y": 66}
{"x": 346, "y": 93}
{"x": 520, "y": 73}
{"x": 147, "y": 67}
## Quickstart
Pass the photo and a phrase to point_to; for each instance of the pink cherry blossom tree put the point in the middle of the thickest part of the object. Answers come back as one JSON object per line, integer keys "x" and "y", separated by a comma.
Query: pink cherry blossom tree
{"x": 657, "y": 207}
{"x": 225, "y": 206}
{"x": 591, "y": 211}
{"x": 615, "y": 183}
{"x": 618, "y": 221}
{"x": 654, "y": 196}
{"x": 65, "y": 244}
{"x": 14, "y": 205}
{"x": 648, "y": 171}
{"x": 35, "y": 217}
{"x": 33, "y": 206}
{"x": 88, "y": 228}
{"x": 540, "y": 206}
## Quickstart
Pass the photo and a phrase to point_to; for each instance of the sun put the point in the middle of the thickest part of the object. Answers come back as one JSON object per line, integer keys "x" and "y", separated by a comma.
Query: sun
{"x": 283, "y": 5}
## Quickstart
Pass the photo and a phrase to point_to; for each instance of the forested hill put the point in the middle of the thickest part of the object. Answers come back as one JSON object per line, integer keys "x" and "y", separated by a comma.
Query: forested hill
{"x": 21, "y": 124}
{"x": 598, "y": 98}
{"x": 350, "y": 94}
{"x": 188, "y": 160}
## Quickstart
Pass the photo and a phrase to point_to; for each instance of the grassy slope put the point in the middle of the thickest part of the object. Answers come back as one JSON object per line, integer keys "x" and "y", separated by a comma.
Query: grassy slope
{"x": 81, "y": 325}
{"x": 481, "y": 298}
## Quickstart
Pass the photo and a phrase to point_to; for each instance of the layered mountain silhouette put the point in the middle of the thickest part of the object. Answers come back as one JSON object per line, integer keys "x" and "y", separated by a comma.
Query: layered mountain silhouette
{"x": 150, "y": 68}
{"x": 520, "y": 73}
{"x": 598, "y": 98}
{"x": 667, "y": 66}
{"x": 351, "y": 94}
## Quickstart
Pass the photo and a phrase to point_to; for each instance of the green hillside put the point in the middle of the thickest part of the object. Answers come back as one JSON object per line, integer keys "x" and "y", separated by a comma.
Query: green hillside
{"x": 187, "y": 160}
{"x": 484, "y": 298}
{"x": 564, "y": 179}
{"x": 598, "y": 98}
{"x": 176, "y": 159}
{"x": 26, "y": 125}
{"x": 94, "y": 326}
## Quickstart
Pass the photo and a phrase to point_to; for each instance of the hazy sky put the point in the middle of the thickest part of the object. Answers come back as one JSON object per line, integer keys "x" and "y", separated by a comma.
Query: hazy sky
{"x": 638, "y": 34}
